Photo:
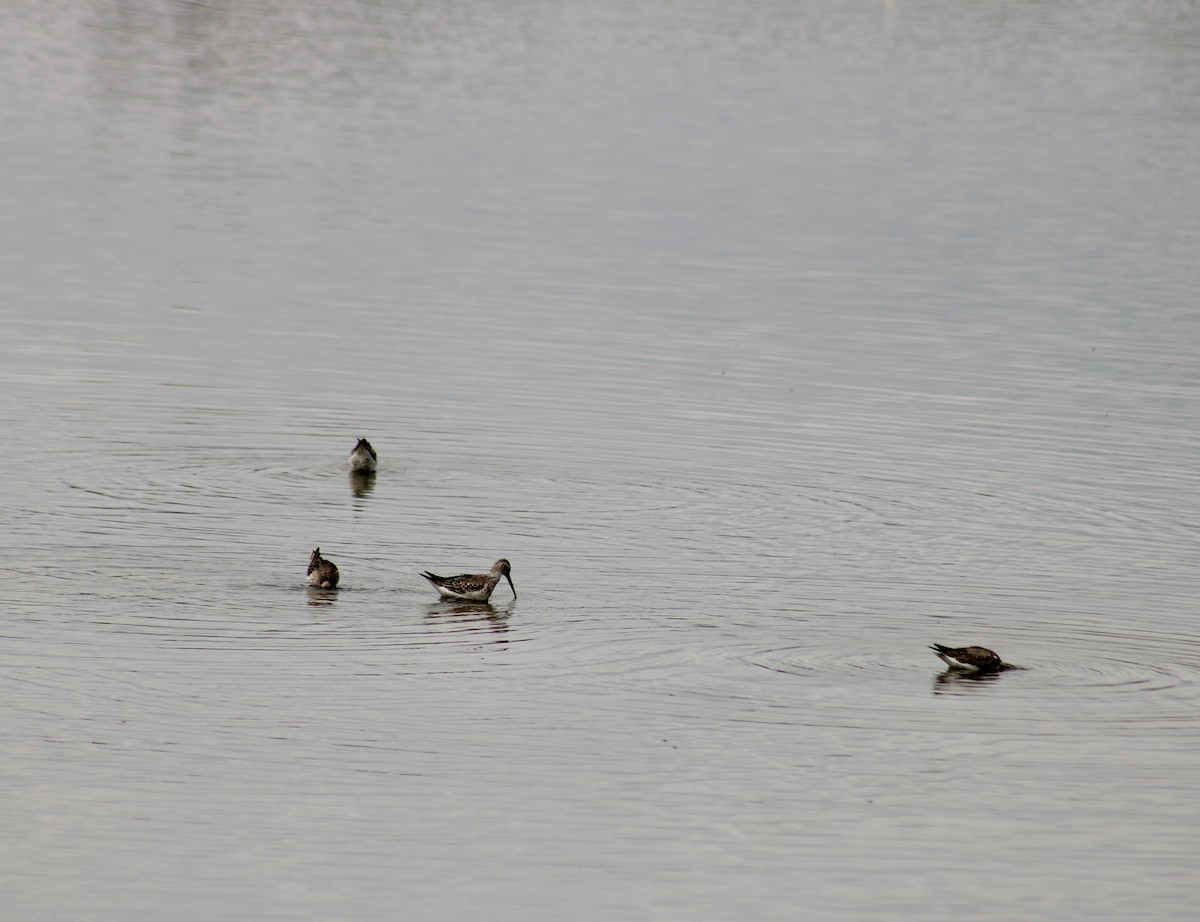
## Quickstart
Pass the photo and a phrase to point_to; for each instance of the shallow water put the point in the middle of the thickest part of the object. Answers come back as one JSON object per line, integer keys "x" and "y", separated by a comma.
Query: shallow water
{"x": 770, "y": 344}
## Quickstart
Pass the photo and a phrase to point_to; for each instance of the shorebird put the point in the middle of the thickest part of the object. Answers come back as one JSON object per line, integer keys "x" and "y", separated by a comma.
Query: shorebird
{"x": 363, "y": 458}
{"x": 472, "y": 587}
{"x": 970, "y": 659}
{"x": 322, "y": 573}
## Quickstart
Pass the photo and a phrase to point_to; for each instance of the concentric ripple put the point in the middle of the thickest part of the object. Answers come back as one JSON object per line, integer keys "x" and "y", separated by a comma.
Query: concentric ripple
{"x": 1138, "y": 687}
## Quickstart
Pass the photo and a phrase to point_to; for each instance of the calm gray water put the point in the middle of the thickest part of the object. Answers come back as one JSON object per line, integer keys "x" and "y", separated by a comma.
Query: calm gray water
{"x": 771, "y": 342}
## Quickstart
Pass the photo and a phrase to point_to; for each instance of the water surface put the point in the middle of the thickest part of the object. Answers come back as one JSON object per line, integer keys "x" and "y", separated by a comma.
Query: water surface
{"x": 770, "y": 344}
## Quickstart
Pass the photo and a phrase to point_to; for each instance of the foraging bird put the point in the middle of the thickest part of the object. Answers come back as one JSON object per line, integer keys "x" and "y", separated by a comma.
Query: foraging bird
{"x": 363, "y": 459}
{"x": 322, "y": 573}
{"x": 472, "y": 587}
{"x": 970, "y": 659}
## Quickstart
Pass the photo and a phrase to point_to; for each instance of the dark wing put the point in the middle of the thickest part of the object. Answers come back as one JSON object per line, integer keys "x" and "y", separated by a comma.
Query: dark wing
{"x": 979, "y": 657}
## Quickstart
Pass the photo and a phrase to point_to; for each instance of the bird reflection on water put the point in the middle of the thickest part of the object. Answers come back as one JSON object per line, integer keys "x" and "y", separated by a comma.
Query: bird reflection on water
{"x": 472, "y": 616}
{"x": 362, "y": 483}
{"x": 319, "y": 596}
{"x": 953, "y": 681}
{"x": 956, "y": 682}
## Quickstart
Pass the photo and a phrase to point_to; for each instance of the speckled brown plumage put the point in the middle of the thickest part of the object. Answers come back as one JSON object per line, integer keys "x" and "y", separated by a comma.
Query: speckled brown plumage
{"x": 970, "y": 659}
{"x": 473, "y": 587}
{"x": 321, "y": 572}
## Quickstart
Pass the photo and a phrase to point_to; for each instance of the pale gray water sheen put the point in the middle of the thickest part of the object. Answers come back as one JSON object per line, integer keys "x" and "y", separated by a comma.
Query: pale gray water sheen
{"x": 771, "y": 342}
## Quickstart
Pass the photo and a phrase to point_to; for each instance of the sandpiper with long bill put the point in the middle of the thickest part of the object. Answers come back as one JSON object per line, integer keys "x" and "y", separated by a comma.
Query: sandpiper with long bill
{"x": 472, "y": 587}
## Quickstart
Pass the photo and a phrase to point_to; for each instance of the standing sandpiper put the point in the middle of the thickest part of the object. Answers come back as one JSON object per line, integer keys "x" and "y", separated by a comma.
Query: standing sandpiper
{"x": 472, "y": 587}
